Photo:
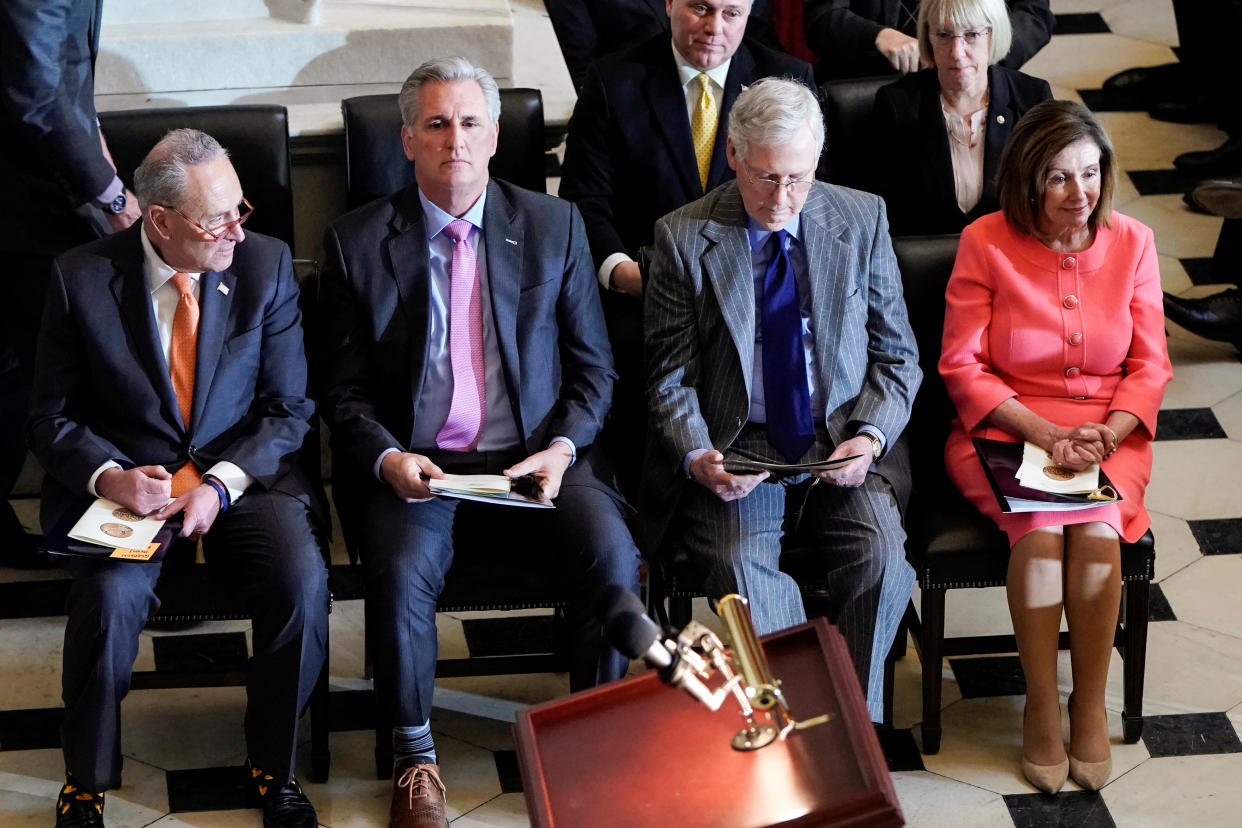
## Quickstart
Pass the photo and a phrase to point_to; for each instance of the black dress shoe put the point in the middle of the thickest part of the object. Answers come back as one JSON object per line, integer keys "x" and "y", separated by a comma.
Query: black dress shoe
{"x": 1194, "y": 111}
{"x": 284, "y": 806}
{"x": 1217, "y": 197}
{"x": 77, "y": 808}
{"x": 1217, "y": 317}
{"x": 1142, "y": 86}
{"x": 1224, "y": 160}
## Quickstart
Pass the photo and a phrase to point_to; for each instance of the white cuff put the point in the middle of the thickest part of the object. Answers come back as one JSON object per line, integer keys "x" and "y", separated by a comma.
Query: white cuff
{"x": 573, "y": 450}
{"x": 90, "y": 484}
{"x": 379, "y": 461}
{"x": 605, "y": 269}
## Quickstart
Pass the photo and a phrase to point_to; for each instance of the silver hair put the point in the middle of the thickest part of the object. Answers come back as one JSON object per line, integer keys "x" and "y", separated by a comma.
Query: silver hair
{"x": 772, "y": 111}
{"x": 160, "y": 178}
{"x": 964, "y": 14}
{"x": 447, "y": 69}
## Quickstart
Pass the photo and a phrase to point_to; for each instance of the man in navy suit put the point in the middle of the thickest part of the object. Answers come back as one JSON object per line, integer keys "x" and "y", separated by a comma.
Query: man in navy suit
{"x": 170, "y": 364}
{"x": 631, "y": 157}
{"x": 463, "y": 334}
{"x": 58, "y": 189}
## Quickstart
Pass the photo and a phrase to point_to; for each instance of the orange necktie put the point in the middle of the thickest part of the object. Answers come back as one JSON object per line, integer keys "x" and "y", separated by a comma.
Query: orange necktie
{"x": 182, "y": 356}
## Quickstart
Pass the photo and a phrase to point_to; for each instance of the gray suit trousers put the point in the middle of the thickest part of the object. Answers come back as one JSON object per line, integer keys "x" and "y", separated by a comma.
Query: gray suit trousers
{"x": 858, "y": 533}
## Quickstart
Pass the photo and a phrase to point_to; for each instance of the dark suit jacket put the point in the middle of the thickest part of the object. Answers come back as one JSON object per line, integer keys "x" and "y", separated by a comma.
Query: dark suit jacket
{"x": 842, "y": 33}
{"x": 699, "y": 332}
{"x": 102, "y": 390}
{"x": 376, "y": 293}
{"x": 588, "y": 30}
{"x": 629, "y": 157}
{"x": 914, "y": 143}
{"x": 50, "y": 158}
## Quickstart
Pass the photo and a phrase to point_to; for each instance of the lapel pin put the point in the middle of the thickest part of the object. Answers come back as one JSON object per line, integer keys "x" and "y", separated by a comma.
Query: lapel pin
{"x": 512, "y": 242}
{"x": 223, "y": 288}
{"x": 1000, "y": 119}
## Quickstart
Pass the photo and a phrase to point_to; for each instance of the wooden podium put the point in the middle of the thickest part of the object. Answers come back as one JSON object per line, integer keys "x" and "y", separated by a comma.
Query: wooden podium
{"x": 639, "y": 753}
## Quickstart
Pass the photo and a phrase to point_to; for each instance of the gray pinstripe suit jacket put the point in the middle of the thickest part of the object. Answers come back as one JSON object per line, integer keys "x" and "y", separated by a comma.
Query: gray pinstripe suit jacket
{"x": 699, "y": 330}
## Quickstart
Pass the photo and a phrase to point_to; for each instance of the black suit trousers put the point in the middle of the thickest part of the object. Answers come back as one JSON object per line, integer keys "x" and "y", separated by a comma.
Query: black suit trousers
{"x": 408, "y": 548}
{"x": 268, "y": 545}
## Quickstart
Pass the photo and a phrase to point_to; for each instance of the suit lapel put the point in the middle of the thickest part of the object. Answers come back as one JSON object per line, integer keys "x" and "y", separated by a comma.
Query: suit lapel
{"x": 408, "y": 260}
{"x": 504, "y": 242}
{"x": 741, "y": 73}
{"x": 938, "y": 164}
{"x": 129, "y": 288}
{"x": 668, "y": 105}
{"x": 214, "y": 306}
{"x": 828, "y": 263}
{"x": 1001, "y": 118}
{"x": 727, "y": 265}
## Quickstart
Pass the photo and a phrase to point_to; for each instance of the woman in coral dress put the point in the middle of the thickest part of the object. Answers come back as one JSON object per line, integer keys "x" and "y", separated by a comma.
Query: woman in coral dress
{"x": 1054, "y": 335}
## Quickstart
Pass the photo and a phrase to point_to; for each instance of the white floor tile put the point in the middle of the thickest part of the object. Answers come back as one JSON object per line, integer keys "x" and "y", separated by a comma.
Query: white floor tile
{"x": 1229, "y": 415}
{"x": 1206, "y": 594}
{"x": 929, "y": 800}
{"x": 1202, "y": 791}
{"x": 1196, "y": 479}
{"x": 505, "y": 811}
{"x": 1189, "y": 670}
{"x": 1176, "y": 547}
{"x": 1150, "y": 20}
{"x": 1084, "y": 61}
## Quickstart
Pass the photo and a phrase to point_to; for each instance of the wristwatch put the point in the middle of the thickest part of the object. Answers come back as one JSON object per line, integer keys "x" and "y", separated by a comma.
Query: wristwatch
{"x": 117, "y": 205}
{"x": 876, "y": 447}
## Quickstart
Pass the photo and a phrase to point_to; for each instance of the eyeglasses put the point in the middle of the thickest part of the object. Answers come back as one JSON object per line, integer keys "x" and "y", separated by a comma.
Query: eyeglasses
{"x": 771, "y": 184}
{"x": 218, "y": 231}
{"x": 970, "y": 38}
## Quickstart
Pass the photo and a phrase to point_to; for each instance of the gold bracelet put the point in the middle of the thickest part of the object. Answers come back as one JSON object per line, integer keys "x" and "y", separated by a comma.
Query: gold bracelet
{"x": 1116, "y": 442}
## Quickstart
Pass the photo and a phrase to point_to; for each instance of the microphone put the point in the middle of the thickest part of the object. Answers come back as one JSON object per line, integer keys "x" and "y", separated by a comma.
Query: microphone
{"x": 635, "y": 635}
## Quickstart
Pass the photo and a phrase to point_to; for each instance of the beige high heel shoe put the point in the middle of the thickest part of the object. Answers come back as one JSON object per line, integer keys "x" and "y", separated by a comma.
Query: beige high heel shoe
{"x": 1047, "y": 778}
{"x": 1090, "y": 776}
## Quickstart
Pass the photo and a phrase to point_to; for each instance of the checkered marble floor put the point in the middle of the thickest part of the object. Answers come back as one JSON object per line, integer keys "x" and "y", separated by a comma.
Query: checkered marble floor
{"x": 184, "y": 748}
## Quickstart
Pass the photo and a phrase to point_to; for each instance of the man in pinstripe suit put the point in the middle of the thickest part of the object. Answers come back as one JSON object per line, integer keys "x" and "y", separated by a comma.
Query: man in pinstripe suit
{"x": 775, "y": 329}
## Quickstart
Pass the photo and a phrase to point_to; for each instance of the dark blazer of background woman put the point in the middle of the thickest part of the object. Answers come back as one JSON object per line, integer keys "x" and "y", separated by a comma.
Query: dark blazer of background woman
{"x": 917, "y": 177}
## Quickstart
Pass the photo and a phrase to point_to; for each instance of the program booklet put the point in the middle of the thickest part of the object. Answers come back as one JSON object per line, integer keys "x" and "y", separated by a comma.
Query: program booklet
{"x": 100, "y": 528}
{"x": 492, "y": 488}
{"x": 1002, "y": 463}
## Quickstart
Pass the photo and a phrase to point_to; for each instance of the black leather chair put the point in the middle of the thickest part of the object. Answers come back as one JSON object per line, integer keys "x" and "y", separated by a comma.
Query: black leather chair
{"x": 376, "y": 166}
{"x": 950, "y": 544}
{"x": 850, "y": 143}
{"x": 257, "y": 138}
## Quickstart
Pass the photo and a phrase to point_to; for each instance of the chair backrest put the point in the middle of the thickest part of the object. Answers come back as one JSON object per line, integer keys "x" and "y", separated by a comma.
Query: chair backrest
{"x": 376, "y": 166}
{"x": 256, "y": 136}
{"x": 926, "y": 263}
{"x": 849, "y": 105}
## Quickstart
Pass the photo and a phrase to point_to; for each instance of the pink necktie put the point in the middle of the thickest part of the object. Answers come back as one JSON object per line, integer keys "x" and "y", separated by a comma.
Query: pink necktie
{"x": 465, "y": 418}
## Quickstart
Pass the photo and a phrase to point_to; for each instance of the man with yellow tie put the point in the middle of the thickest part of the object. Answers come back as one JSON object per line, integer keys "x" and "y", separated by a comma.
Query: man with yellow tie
{"x": 644, "y": 140}
{"x": 171, "y": 379}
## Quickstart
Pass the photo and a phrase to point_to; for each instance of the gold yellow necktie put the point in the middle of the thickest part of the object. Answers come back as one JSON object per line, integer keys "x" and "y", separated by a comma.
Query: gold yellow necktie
{"x": 703, "y": 127}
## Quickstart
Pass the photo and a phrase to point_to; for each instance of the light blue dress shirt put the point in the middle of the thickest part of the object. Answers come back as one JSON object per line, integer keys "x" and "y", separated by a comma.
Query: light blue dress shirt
{"x": 431, "y": 409}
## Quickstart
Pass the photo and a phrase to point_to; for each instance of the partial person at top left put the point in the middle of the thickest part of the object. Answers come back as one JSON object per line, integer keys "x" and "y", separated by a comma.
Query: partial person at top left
{"x": 60, "y": 189}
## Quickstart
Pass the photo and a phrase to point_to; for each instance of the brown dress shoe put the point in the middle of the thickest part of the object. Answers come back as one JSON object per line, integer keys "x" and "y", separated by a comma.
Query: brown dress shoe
{"x": 417, "y": 798}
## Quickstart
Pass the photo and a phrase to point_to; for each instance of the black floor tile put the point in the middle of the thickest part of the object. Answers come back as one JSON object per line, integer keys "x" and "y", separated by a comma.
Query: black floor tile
{"x": 34, "y": 729}
{"x": 508, "y": 772}
{"x": 1218, "y": 537}
{"x": 1201, "y": 271}
{"x": 551, "y": 165}
{"x": 1159, "y": 609}
{"x": 1081, "y": 23}
{"x": 205, "y": 652}
{"x": 351, "y": 710}
{"x": 1190, "y": 734}
{"x": 900, "y": 750}
{"x": 33, "y": 599}
{"x": 210, "y": 789}
{"x": 509, "y": 636}
{"x": 1068, "y": 809}
{"x": 1161, "y": 182}
{"x": 1188, "y": 424}
{"x": 989, "y": 676}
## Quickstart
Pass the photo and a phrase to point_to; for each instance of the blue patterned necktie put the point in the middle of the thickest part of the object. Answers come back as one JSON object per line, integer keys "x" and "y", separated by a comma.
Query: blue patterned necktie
{"x": 786, "y": 398}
